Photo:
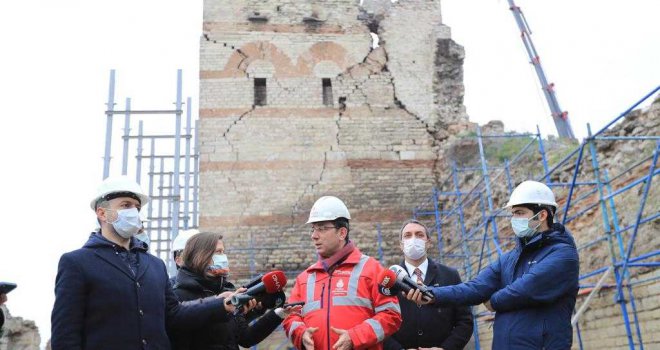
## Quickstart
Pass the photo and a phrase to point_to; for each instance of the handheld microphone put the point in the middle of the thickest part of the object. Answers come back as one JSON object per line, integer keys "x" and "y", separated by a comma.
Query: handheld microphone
{"x": 387, "y": 283}
{"x": 402, "y": 277}
{"x": 270, "y": 283}
{"x": 253, "y": 282}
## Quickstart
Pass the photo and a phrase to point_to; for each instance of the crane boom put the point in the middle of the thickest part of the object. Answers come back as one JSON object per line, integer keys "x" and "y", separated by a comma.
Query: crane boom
{"x": 560, "y": 117}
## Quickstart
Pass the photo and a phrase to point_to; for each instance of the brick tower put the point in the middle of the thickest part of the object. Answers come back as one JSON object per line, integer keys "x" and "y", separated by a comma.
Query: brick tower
{"x": 295, "y": 104}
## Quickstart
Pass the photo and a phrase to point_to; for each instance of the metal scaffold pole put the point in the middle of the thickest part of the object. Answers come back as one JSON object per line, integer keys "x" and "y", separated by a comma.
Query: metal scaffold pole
{"x": 167, "y": 173}
{"x": 108, "y": 126}
{"x": 175, "y": 199}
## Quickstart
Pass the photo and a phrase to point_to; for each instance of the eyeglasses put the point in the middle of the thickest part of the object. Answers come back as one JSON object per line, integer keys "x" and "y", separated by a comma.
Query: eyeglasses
{"x": 321, "y": 229}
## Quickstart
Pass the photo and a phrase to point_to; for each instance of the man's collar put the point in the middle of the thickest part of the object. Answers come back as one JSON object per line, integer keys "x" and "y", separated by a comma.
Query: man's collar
{"x": 424, "y": 266}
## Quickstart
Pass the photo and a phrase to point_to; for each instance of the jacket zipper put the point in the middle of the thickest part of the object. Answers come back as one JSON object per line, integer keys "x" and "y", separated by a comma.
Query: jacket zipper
{"x": 328, "y": 308}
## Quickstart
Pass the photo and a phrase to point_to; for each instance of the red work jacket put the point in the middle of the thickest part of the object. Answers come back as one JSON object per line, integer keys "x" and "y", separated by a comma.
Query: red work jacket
{"x": 346, "y": 299}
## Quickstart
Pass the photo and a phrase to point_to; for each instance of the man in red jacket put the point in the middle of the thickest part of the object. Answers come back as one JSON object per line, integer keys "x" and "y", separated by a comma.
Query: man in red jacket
{"x": 343, "y": 308}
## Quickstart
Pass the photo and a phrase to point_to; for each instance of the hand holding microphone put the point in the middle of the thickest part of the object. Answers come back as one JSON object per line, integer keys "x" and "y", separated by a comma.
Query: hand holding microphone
{"x": 402, "y": 276}
{"x": 270, "y": 283}
{"x": 396, "y": 279}
{"x": 230, "y": 308}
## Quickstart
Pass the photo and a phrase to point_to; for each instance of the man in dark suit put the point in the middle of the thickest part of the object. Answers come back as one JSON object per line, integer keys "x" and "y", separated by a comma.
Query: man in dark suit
{"x": 428, "y": 326}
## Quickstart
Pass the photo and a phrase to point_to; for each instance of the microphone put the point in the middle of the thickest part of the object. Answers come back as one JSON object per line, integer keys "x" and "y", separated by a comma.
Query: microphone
{"x": 402, "y": 277}
{"x": 387, "y": 283}
{"x": 253, "y": 282}
{"x": 270, "y": 283}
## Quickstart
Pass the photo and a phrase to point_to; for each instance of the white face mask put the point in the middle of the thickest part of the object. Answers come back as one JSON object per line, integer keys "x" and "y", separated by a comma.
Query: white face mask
{"x": 521, "y": 227}
{"x": 414, "y": 248}
{"x": 128, "y": 222}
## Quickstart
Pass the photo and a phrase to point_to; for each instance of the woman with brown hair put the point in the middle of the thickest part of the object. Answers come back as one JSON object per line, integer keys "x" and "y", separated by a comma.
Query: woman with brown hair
{"x": 204, "y": 273}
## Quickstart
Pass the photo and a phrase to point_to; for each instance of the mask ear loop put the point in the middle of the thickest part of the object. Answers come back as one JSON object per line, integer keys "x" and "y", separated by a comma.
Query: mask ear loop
{"x": 107, "y": 216}
{"x": 537, "y": 226}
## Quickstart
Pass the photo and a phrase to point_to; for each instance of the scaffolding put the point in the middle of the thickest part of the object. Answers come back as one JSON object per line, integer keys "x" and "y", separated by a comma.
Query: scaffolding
{"x": 166, "y": 167}
{"x": 477, "y": 220}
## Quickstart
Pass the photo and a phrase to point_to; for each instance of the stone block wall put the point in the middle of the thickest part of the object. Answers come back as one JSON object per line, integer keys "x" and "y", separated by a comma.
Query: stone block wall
{"x": 18, "y": 333}
{"x": 602, "y": 326}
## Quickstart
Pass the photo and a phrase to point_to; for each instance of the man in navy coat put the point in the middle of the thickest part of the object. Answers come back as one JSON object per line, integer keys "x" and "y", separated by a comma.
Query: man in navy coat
{"x": 532, "y": 288}
{"x": 428, "y": 326}
{"x": 113, "y": 294}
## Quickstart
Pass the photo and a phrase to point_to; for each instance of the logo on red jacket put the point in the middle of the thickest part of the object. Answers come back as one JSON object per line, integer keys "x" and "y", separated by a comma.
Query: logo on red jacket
{"x": 340, "y": 288}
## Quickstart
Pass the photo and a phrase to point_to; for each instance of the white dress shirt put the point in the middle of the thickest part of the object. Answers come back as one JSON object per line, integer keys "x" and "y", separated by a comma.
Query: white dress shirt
{"x": 422, "y": 267}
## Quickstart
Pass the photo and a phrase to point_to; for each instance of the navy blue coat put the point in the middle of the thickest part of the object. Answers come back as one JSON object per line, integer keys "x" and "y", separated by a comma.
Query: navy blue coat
{"x": 101, "y": 304}
{"x": 532, "y": 289}
{"x": 431, "y": 325}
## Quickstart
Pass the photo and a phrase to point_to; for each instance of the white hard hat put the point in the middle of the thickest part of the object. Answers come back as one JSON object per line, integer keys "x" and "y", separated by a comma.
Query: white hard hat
{"x": 532, "y": 192}
{"x": 182, "y": 238}
{"x": 118, "y": 184}
{"x": 328, "y": 208}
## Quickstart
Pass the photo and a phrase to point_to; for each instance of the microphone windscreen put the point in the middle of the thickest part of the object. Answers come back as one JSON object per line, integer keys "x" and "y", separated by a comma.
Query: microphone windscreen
{"x": 274, "y": 281}
{"x": 386, "y": 278}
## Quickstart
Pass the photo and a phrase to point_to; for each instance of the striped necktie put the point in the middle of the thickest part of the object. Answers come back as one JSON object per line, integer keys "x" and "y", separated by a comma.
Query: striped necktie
{"x": 418, "y": 273}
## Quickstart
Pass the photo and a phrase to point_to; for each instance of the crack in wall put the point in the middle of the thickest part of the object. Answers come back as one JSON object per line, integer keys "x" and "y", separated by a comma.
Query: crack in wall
{"x": 430, "y": 130}
{"x": 310, "y": 188}
{"x": 235, "y": 162}
{"x": 240, "y": 63}
{"x": 375, "y": 67}
{"x": 224, "y": 134}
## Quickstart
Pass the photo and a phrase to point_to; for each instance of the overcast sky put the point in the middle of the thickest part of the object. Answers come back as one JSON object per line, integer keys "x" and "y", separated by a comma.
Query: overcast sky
{"x": 56, "y": 56}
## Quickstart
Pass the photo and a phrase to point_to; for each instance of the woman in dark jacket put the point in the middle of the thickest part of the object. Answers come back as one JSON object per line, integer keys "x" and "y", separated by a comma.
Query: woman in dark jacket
{"x": 204, "y": 272}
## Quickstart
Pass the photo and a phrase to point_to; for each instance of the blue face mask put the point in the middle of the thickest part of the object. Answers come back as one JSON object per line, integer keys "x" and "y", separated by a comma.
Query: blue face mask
{"x": 220, "y": 265}
{"x": 521, "y": 226}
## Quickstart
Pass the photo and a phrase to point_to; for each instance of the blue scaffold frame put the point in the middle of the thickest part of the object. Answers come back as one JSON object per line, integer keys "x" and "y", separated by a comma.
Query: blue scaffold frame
{"x": 443, "y": 208}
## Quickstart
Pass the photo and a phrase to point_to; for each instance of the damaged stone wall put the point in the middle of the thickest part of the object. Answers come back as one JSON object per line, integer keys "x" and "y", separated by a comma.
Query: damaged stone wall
{"x": 18, "y": 334}
{"x": 376, "y": 145}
